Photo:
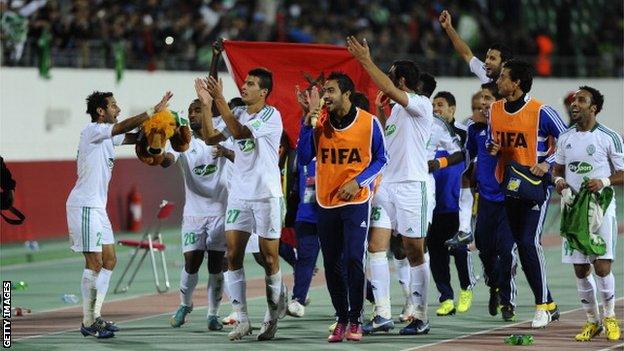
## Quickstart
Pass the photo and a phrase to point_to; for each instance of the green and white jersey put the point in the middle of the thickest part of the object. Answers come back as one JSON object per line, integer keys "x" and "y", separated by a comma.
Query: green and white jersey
{"x": 442, "y": 138}
{"x": 591, "y": 154}
{"x": 256, "y": 173}
{"x": 205, "y": 177}
{"x": 96, "y": 156}
{"x": 407, "y": 132}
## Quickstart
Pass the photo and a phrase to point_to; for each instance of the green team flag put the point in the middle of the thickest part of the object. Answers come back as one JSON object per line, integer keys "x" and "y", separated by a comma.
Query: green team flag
{"x": 45, "y": 61}
{"x": 120, "y": 59}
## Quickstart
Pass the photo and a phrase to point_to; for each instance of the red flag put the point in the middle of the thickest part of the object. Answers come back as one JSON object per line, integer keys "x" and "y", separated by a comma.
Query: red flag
{"x": 290, "y": 64}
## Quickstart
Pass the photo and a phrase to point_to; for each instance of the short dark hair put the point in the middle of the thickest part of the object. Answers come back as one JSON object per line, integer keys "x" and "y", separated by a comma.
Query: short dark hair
{"x": 265, "y": 78}
{"x": 450, "y": 99}
{"x": 95, "y": 100}
{"x": 522, "y": 71}
{"x": 493, "y": 88}
{"x": 360, "y": 100}
{"x": 427, "y": 84}
{"x": 408, "y": 70}
{"x": 344, "y": 83}
{"x": 505, "y": 52}
{"x": 597, "y": 97}
{"x": 235, "y": 102}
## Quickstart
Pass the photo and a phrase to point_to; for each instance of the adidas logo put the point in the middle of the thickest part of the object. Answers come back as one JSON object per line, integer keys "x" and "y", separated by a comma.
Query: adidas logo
{"x": 235, "y": 301}
{"x": 535, "y": 208}
{"x": 193, "y": 151}
{"x": 410, "y": 230}
{"x": 363, "y": 225}
{"x": 417, "y": 294}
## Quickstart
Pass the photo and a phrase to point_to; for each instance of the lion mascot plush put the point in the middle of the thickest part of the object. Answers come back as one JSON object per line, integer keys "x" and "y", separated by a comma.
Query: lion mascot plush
{"x": 154, "y": 133}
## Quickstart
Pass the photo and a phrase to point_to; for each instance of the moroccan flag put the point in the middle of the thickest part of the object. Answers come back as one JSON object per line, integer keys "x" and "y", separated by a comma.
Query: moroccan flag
{"x": 294, "y": 64}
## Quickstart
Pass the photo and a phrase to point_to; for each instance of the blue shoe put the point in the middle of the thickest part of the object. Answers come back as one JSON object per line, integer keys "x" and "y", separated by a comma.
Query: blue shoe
{"x": 214, "y": 323}
{"x": 110, "y": 326}
{"x": 97, "y": 330}
{"x": 179, "y": 317}
{"x": 378, "y": 323}
{"x": 416, "y": 327}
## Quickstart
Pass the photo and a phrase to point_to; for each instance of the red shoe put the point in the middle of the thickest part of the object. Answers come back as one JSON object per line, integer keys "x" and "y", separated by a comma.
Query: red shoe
{"x": 354, "y": 333}
{"x": 338, "y": 334}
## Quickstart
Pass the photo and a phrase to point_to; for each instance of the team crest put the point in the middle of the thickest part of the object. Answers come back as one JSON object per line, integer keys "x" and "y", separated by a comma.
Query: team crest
{"x": 514, "y": 184}
{"x": 111, "y": 162}
{"x": 591, "y": 149}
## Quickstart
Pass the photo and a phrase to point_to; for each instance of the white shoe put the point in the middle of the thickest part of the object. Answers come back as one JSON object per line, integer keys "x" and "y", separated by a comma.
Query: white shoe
{"x": 268, "y": 330}
{"x": 241, "y": 329}
{"x": 295, "y": 309}
{"x": 543, "y": 317}
{"x": 407, "y": 314}
{"x": 282, "y": 304}
{"x": 230, "y": 319}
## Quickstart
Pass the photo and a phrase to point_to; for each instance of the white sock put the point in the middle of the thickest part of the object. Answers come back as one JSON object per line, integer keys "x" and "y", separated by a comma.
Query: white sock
{"x": 465, "y": 210}
{"x": 419, "y": 282}
{"x": 101, "y": 287}
{"x": 606, "y": 287}
{"x": 587, "y": 293}
{"x": 237, "y": 287}
{"x": 273, "y": 291}
{"x": 403, "y": 274}
{"x": 380, "y": 280}
{"x": 215, "y": 293}
{"x": 188, "y": 282}
{"x": 87, "y": 287}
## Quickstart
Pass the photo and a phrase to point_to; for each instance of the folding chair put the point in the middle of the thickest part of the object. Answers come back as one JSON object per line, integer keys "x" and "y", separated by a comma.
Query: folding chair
{"x": 149, "y": 243}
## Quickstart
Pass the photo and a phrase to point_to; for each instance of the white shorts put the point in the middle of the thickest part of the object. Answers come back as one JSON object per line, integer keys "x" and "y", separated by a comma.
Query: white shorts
{"x": 253, "y": 245}
{"x": 201, "y": 233}
{"x": 89, "y": 229}
{"x": 264, "y": 217}
{"x": 608, "y": 231}
{"x": 431, "y": 198}
{"x": 401, "y": 207}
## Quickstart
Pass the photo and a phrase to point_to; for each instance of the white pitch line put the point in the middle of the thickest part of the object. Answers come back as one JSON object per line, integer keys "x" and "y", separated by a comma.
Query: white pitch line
{"x": 614, "y": 347}
{"x": 487, "y": 331}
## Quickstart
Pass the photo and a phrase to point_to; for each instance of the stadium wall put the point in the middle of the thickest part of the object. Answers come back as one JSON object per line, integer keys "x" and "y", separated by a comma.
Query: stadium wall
{"x": 41, "y": 120}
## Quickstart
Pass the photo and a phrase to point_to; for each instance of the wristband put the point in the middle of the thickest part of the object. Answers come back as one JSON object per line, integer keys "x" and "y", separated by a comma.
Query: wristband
{"x": 557, "y": 179}
{"x": 443, "y": 162}
{"x": 605, "y": 182}
{"x": 149, "y": 112}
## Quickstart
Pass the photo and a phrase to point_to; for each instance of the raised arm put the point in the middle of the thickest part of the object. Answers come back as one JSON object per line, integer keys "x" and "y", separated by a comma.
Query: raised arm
{"x": 129, "y": 124}
{"x": 238, "y": 130}
{"x": 460, "y": 46}
{"x": 361, "y": 52}
{"x": 209, "y": 134}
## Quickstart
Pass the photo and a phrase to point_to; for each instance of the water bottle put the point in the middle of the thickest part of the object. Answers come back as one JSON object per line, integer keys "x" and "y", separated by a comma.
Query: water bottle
{"x": 21, "y": 285}
{"x": 70, "y": 298}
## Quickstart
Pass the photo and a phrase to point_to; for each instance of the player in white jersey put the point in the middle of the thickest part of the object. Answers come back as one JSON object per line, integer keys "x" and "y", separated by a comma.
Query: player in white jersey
{"x": 206, "y": 178}
{"x": 590, "y": 150}
{"x": 400, "y": 203}
{"x": 90, "y": 230}
{"x": 494, "y": 58}
{"x": 255, "y": 201}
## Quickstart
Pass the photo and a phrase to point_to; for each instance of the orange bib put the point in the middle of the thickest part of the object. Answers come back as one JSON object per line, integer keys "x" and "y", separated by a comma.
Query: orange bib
{"x": 341, "y": 155}
{"x": 516, "y": 133}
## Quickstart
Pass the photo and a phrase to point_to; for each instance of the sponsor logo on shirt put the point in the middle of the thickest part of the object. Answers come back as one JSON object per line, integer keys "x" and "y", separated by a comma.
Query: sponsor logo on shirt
{"x": 204, "y": 170}
{"x": 246, "y": 145}
{"x": 390, "y": 129}
{"x": 580, "y": 167}
{"x": 340, "y": 155}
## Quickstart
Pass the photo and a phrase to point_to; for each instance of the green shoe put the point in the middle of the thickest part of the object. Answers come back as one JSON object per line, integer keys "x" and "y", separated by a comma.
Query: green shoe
{"x": 214, "y": 323}
{"x": 179, "y": 317}
{"x": 447, "y": 308}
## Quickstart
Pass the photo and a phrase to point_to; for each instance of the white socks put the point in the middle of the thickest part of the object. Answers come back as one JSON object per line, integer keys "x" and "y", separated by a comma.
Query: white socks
{"x": 380, "y": 280}
{"x": 403, "y": 274}
{"x": 237, "y": 287}
{"x": 87, "y": 287}
{"x": 188, "y": 282}
{"x": 101, "y": 287}
{"x": 587, "y": 293}
{"x": 419, "y": 282}
{"x": 215, "y": 293}
{"x": 273, "y": 291}
{"x": 465, "y": 210}
{"x": 606, "y": 288}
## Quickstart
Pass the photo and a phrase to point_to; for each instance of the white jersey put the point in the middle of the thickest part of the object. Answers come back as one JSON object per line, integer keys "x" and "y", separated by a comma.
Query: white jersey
{"x": 591, "y": 154}
{"x": 407, "y": 132}
{"x": 256, "y": 173}
{"x": 205, "y": 177}
{"x": 96, "y": 156}
{"x": 478, "y": 68}
{"x": 442, "y": 138}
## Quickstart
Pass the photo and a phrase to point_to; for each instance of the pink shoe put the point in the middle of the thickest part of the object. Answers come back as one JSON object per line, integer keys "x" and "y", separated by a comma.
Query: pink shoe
{"x": 354, "y": 333}
{"x": 338, "y": 334}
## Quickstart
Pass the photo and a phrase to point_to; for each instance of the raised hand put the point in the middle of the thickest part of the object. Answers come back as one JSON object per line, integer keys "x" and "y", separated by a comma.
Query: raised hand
{"x": 302, "y": 99}
{"x": 164, "y": 102}
{"x": 215, "y": 88}
{"x": 217, "y": 47}
{"x": 445, "y": 19}
{"x": 202, "y": 92}
{"x": 381, "y": 100}
{"x": 361, "y": 52}
{"x": 313, "y": 98}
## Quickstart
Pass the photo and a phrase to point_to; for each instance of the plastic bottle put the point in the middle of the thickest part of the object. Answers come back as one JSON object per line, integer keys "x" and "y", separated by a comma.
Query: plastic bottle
{"x": 21, "y": 285}
{"x": 70, "y": 298}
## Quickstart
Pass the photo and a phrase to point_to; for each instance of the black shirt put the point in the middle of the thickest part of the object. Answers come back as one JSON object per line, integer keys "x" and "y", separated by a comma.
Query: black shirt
{"x": 344, "y": 121}
{"x": 514, "y": 106}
